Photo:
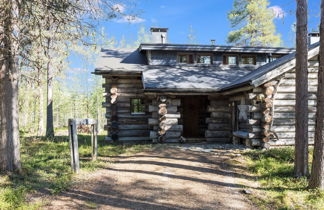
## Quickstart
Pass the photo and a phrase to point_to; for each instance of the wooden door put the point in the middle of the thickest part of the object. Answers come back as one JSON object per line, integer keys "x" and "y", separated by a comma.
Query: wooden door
{"x": 194, "y": 108}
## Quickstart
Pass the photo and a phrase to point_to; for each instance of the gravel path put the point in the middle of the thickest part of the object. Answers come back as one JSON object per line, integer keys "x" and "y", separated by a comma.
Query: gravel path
{"x": 171, "y": 177}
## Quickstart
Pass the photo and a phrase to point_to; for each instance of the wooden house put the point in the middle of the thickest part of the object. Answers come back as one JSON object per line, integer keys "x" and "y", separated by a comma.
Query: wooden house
{"x": 162, "y": 92}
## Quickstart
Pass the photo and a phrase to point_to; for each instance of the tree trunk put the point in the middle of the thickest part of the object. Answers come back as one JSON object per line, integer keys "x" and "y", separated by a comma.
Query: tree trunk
{"x": 49, "y": 108}
{"x": 9, "y": 130}
{"x": 41, "y": 112}
{"x": 317, "y": 175}
{"x": 301, "y": 137}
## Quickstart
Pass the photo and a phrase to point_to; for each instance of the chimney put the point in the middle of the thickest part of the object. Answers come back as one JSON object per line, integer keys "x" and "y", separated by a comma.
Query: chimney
{"x": 159, "y": 35}
{"x": 313, "y": 37}
{"x": 212, "y": 41}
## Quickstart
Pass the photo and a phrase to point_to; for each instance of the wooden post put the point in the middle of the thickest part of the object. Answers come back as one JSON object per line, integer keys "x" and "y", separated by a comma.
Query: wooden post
{"x": 94, "y": 140}
{"x": 74, "y": 148}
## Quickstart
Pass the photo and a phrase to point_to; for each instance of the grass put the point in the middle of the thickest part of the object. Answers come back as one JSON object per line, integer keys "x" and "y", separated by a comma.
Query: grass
{"x": 46, "y": 168}
{"x": 274, "y": 169}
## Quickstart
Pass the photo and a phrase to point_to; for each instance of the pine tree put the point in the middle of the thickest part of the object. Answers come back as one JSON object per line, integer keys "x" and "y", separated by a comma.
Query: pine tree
{"x": 253, "y": 24}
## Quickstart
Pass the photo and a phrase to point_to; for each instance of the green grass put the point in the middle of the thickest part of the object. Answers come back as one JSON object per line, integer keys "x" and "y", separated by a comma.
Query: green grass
{"x": 46, "y": 168}
{"x": 274, "y": 169}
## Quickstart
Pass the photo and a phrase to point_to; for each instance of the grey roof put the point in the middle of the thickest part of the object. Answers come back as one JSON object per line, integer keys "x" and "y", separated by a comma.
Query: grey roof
{"x": 199, "y": 79}
{"x": 181, "y": 78}
{"x": 121, "y": 60}
{"x": 265, "y": 70}
{"x": 214, "y": 48}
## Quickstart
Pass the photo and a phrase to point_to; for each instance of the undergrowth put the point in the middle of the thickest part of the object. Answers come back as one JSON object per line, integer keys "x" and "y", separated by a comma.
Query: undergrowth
{"x": 274, "y": 169}
{"x": 46, "y": 168}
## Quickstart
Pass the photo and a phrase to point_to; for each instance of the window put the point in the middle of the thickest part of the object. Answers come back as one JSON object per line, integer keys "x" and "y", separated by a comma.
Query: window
{"x": 230, "y": 60}
{"x": 137, "y": 106}
{"x": 248, "y": 59}
{"x": 185, "y": 58}
{"x": 274, "y": 57}
{"x": 204, "y": 59}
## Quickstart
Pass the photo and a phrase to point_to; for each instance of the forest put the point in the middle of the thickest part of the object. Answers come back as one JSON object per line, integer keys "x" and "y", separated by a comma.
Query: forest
{"x": 40, "y": 90}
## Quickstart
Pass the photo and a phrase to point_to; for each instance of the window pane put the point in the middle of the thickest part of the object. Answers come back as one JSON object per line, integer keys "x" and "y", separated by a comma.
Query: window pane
{"x": 232, "y": 60}
{"x": 137, "y": 105}
{"x": 183, "y": 59}
{"x": 205, "y": 59}
{"x": 248, "y": 60}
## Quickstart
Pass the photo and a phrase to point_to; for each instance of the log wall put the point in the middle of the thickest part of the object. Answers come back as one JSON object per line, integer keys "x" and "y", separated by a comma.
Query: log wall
{"x": 122, "y": 125}
{"x": 284, "y": 107}
{"x": 219, "y": 121}
{"x": 165, "y": 124}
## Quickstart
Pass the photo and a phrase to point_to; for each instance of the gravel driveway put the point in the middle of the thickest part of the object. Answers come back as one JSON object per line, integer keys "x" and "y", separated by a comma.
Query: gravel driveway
{"x": 168, "y": 177}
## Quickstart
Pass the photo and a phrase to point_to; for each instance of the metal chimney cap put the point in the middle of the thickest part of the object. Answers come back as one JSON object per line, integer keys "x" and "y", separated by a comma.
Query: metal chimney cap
{"x": 314, "y": 34}
{"x": 153, "y": 29}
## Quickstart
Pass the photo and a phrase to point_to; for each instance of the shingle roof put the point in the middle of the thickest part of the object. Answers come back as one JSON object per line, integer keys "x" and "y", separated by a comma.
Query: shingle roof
{"x": 263, "y": 71}
{"x": 184, "y": 78}
{"x": 199, "y": 79}
{"x": 114, "y": 60}
{"x": 214, "y": 48}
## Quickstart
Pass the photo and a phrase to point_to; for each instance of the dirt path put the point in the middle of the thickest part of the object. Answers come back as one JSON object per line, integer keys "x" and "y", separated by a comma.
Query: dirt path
{"x": 169, "y": 178}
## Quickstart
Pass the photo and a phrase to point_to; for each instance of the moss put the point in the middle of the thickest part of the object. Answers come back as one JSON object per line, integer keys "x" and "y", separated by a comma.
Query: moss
{"x": 282, "y": 190}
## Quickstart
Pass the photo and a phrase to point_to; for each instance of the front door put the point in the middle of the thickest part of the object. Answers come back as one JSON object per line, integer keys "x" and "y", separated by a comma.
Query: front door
{"x": 193, "y": 115}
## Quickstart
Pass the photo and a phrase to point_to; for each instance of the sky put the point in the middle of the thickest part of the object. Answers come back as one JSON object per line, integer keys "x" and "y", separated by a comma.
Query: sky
{"x": 208, "y": 19}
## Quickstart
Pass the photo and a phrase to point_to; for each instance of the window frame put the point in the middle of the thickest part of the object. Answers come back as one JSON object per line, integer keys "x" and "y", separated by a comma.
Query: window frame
{"x": 132, "y": 106}
{"x": 246, "y": 56}
{"x": 274, "y": 56}
{"x": 188, "y": 58}
{"x": 225, "y": 59}
{"x": 204, "y": 54}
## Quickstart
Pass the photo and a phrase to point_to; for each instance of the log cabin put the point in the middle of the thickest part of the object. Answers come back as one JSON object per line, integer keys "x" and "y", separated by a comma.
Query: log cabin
{"x": 163, "y": 92}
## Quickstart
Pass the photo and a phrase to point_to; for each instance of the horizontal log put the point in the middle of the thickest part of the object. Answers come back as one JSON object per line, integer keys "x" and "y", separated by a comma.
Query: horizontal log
{"x": 253, "y": 122}
{"x": 124, "y": 81}
{"x": 217, "y": 120}
{"x": 130, "y": 85}
{"x": 282, "y": 102}
{"x": 133, "y": 133}
{"x": 291, "y": 134}
{"x": 108, "y": 138}
{"x": 218, "y": 108}
{"x": 292, "y": 108}
{"x": 172, "y": 115}
{"x": 292, "y": 82}
{"x": 214, "y": 126}
{"x": 133, "y": 127}
{"x": 169, "y": 121}
{"x": 209, "y": 134}
{"x": 219, "y": 140}
{"x": 220, "y": 115}
{"x": 153, "y": 121}
{"x": 291, "y": 121}
{"x": 246, "y": 135}
{"x": 292, "y": 89}
{"x": 290, "y": 115}
{"x": 172, "y": 134}
{"x": 129, "y": 116}
{"x": 292, "y": 96}
{"x": 169, "y": 127}
{"x": 311, "y": 75}
{"x": 289, "y": 128}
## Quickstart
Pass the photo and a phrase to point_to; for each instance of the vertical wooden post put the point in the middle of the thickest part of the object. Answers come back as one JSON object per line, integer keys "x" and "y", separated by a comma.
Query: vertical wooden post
{"x": 74, "y": 148}
{"x": 94, "y": 140}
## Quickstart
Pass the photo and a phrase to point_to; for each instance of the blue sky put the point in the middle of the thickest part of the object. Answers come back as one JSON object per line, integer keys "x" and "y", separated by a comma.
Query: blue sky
{"x": 207, "y": 17}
